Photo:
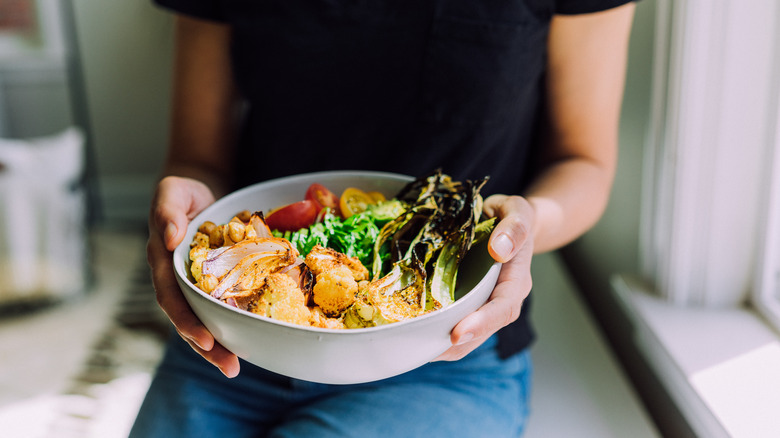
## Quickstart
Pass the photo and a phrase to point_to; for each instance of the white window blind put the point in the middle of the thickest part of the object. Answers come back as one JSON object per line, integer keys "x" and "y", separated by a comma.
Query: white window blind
{"x": 713, "y": 126}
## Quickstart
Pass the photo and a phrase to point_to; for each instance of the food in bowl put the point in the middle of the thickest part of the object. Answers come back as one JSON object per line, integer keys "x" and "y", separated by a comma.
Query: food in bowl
{"x": 354, "y": 261}
{"x": 323, "y": 355}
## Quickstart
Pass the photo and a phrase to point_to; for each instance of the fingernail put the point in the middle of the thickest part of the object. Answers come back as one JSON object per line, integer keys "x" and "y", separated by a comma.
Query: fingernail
{"x": 502, "y": 246}
{"x": 465, "y": 338}
{"x": 170, "y": 231}
{"x": 195, "y": 341}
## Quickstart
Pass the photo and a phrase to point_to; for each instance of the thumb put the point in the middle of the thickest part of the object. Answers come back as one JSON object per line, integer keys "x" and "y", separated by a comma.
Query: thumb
{"x": 507, "y": 238}
{"x": 176, "y": 201}
{"x": 171, "y": 236}
{"x": 514, "y": 227}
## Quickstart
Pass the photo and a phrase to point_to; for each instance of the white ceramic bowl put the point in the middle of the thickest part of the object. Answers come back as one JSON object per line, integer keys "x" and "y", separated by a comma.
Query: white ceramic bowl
{"x": 329, "y": 355}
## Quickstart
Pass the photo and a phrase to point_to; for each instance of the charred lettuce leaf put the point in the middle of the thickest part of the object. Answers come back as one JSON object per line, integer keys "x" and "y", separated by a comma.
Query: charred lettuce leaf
{"x": 426, "y": 244}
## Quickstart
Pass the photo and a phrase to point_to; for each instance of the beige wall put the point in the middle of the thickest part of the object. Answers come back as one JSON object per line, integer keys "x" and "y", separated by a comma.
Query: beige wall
{"x": 125, "y": 48}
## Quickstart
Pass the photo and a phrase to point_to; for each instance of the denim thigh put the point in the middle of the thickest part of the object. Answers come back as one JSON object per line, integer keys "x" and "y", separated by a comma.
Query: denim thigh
{"x": 480, "y": 395}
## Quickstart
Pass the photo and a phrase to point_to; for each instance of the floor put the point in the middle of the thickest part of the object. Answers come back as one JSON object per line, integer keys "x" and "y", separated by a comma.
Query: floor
{"x": 58, "y": 374}
{"x": 579, "y": 389}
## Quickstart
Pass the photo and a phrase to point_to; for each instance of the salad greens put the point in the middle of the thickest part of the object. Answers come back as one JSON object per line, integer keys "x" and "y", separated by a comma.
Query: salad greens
{"x": 354, "y": 236}
{"x": 411, "y": 244}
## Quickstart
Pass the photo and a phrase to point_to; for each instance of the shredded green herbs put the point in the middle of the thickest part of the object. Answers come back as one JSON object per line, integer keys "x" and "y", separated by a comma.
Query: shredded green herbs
{"x": 354, "y": 236}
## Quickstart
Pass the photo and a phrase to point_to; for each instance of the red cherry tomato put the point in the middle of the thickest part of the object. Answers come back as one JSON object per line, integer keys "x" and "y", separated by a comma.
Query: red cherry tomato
{"x": 323, "y": 197}
{"x": 294, "y": 216}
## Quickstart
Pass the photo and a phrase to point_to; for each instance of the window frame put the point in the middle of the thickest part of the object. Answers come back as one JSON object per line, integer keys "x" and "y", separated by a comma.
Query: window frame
{"x": 766, "y": 293}
{"x": 708, "y": 236}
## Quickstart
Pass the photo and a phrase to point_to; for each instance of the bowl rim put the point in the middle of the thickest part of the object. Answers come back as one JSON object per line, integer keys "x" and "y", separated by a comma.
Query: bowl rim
{"x": 182, "y": 251}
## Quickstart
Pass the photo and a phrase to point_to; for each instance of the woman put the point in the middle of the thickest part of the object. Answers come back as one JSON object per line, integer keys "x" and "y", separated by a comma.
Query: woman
{"x": 527, "y": 92}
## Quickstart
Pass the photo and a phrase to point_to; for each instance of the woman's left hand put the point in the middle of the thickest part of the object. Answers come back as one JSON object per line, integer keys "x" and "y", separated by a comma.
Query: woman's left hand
{"x": 512, "y": 244}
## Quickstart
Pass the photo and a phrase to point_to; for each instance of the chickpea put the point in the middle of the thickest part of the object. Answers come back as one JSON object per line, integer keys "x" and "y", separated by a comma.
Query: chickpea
{"x": 223, "y": 232}
{"x": 215, "y": 239}
{"x": 215, "y": 235}
{"x": 208, "y": 283}
{"x": 244, "y": 216}
{"x": 207, "y": 227}
{"x": 236, "y": 231}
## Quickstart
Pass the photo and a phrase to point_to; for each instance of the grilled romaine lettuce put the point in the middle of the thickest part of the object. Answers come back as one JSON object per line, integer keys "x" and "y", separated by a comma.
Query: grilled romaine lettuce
{"x": 426, "y": 244}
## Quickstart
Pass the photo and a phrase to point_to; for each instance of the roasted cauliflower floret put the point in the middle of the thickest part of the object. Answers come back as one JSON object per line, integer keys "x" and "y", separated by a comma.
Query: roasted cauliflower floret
{"x": 321, "y": 259}
{"x": 320, "y": 319}
{"x": 200, "y": 239}
{"x": 280, "y": 298}
{"x": 198, "y": 255}
{"x": 373, "y": 309}
{"x": 392, "y": 298}
{"x": 334, "y": 290}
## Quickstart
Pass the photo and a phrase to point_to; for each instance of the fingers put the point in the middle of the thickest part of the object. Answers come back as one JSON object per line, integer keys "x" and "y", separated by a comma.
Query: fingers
{"x": 510, "y": 243}
{"x": 218, "y": 356}
{"x": 170, "y": 297}
{"x": 176, "y": 201}
{"x": 503, "y": 307}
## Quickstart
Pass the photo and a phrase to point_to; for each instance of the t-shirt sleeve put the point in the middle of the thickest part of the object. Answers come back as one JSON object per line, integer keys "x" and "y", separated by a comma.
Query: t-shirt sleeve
{"x": 572, "y": 7}
{"x": 205, "y": 9}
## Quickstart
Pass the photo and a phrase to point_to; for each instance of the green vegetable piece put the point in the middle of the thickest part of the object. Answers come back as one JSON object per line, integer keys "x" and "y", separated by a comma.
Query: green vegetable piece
{"x": 445, "y": 271}
{"x": 386, "y": 211}
{"x": 413, "y": 245}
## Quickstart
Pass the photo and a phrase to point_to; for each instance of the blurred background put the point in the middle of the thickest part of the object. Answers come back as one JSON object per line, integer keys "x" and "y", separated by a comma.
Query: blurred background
{"x": 83, "y": 119}
{"x": 104, "y": 69}
{"x": 83, "y": 111}
{"x": 84, "y": 87}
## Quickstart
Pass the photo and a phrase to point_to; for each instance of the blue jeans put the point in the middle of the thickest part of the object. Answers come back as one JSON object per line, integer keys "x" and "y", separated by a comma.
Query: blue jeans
{"x": 478, "y": 396}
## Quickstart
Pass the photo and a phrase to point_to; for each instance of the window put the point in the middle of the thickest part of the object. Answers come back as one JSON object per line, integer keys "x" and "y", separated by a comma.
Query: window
{"x": 710, "y": 231}
{"x": 766, "y": 295}
{"x": 712, "y": 237}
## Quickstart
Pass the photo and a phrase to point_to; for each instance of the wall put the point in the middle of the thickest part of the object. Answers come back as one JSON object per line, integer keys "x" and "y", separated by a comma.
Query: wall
{"x": 125, "y": 49}
{"x": 34, "y": 96}
{"x": 34, "y": 99}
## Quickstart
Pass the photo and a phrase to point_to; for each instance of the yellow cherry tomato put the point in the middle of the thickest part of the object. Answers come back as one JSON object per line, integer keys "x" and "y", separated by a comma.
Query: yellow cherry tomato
{"x": 354, "y": 201}
{"x": 377, "y": 197}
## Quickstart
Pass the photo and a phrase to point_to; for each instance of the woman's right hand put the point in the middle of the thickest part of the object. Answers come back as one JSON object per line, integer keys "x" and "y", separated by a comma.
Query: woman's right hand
{"x": 176, "y": 202}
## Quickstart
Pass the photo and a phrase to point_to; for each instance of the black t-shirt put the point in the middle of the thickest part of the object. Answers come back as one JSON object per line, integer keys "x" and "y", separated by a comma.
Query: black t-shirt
{"x": 403, "y": 86}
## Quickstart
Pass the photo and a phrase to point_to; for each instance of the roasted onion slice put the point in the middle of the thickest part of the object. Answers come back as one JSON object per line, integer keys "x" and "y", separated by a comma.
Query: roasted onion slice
{"x": 220, "y": 261}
